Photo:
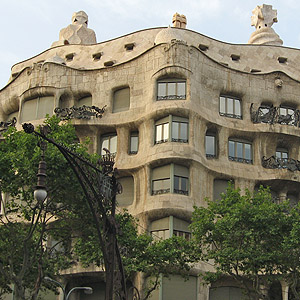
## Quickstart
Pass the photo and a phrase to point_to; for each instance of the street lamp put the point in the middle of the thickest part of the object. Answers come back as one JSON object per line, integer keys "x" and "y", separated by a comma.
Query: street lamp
{"x": 87, "y": 289}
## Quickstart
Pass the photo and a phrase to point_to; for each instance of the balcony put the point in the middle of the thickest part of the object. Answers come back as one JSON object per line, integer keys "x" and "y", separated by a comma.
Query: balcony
{"x": 275, "y": 115}
{"x": 274, "y": 162}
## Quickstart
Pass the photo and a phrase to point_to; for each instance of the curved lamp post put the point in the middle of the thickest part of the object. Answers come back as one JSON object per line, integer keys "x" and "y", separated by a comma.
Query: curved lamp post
{"x": 87, "y": 290}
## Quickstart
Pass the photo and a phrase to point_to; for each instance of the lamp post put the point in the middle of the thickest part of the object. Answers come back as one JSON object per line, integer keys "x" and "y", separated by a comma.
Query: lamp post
{"x": 87, "y": 290}
{"x": 100, "y": 188}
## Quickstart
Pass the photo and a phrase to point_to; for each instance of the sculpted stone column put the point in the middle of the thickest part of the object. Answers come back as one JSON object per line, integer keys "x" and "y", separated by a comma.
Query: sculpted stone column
{"x": 263, "y": 18}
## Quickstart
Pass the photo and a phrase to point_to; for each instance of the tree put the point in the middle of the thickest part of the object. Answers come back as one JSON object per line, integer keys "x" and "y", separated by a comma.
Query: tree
{"x": 140, "y": 252}
{"x": 27, "y": 226}
{"x": 250, "y": 238}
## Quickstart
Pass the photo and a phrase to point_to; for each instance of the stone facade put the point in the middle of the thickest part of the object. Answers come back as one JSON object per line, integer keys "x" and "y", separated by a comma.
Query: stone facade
{"x": 218, "y": 88}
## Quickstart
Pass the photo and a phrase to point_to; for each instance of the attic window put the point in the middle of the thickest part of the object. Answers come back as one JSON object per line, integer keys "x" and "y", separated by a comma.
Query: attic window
{"x": 235, "y": 57}
{"x": 203, "y": 47}
{"x": 282, "y": 60}
{"x": 69, "y": 57}
{"x": 97, "y": 56}
{"x": 109, "y": 63}
{"x": 129, "y": 46}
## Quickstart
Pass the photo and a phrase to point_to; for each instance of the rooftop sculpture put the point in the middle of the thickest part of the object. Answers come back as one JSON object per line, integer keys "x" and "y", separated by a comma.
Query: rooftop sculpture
{"x": 77, "y": 32}
{"x": 263, "y": 18}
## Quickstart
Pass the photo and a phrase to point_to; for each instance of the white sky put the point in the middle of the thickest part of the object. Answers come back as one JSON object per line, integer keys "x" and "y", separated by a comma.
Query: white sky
{"x": 29, "y": 27}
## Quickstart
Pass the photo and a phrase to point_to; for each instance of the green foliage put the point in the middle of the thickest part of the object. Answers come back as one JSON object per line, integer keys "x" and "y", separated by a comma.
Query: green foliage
{"x": 27, "y": 226}
{"x": 140, "y": 252}
{"x": 249, "y": 237}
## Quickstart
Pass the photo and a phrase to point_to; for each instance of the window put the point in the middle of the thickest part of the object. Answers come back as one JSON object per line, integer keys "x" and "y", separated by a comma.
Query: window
{"x": 240, "y": 151}
{"x": 286, "y": 115}
{"x": 210, "y": 145}
{"x": 109, "y": 142}
{"x": 134, "y": 143}
{"x": 168, "y": 227}
{"x": 170, "y": 179}
{"x": 220, "y": 187}
{"x": 178, "y": 128}
{"x": 12, "y": 115}
{"x": 127, "y": 196}
{"x": 226, "y": 292}
{"x": 230, "y": 107}
{"x": 37, "y": 108}
{"x": 171, "y": 89}
{"x": 87, "y": 101}
{"x": 121, "y": 100}
{"x": 282, "y": 154}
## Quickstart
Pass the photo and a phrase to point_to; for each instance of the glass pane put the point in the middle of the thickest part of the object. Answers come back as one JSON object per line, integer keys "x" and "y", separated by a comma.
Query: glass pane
{"x": 237, "y": 107}
{"x": 45, "y": 106}
{"x": 210, "y": 145}
{"x": 184, "y": 184}
{"x": 181, "y": 89}
{"x": 113, "y": 144}
{"x": 248, "y": 154}
{"x": 278, "y": 154}
{"x": 175, "y": 130}
{"x": 29, "y": 110}
{"x": 161, "y": 89}
{"x": 176, "y": 183}
{"x": 231, "y": 149}
{"x": 284, "y": 155}
{"x": 134, "y": 142}
{"x": 229, "y": 106}
{"x": 239, "y": 150}
{"x": 166, "y": 131}
{"x": 171, "y": 89}
{"x": 222, "y": 105}
{"x": 290, "y": 111}
{"x": 104, "y": 144}
{"x": 282, "y": 111}
{"x": 158, "y": 133}
{"x": 184, "y": 131}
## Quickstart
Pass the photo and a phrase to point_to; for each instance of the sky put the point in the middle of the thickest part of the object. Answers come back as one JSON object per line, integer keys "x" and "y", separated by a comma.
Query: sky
{"x": 28, "y": 27}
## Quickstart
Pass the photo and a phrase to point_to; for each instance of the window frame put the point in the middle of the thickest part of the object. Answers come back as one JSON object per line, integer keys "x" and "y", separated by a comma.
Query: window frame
{"x": 180, "y": 172}
{"x": 286, "y": 110}
{"x": 119, "y": 106}
{"x": 108, "y": 136}
{"x": 226, "y": 113}
{"x": 236, "y": 158}
{"x": 214, "y": 135}
{"x": 133, "y": 134}
{"x": 166, "y": 129}
{"x": 167, "y": 83}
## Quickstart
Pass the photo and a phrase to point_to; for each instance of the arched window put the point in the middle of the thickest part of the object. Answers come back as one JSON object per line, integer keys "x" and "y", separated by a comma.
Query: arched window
{"x": 210, "y": 144}
{"x": 171, "y": 89}
{"x": 230, "y": 107}
{"x": 121, "y": 100}
{"x": 86, "y": 100}
{"x": 240, "y": 151}
{"x": 108, "y": 141}
{"x": 172, "y": 128}
{"x": 170, "y": 178}
{"x": 127, "y": 196}
{"x": 37, "y": 108}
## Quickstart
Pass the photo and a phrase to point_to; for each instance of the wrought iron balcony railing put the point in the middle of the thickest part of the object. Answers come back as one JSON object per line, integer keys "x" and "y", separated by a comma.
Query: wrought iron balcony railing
{"x": 274, "y": 162}
{"x": 273, "y": 115}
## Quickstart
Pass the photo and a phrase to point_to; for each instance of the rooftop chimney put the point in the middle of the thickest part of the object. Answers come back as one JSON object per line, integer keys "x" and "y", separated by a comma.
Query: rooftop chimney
{"x": 179, "y": 21}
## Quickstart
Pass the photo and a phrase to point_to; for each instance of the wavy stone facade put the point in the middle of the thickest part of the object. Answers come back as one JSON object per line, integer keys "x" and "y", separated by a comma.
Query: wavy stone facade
{"x": 211, "y": 90}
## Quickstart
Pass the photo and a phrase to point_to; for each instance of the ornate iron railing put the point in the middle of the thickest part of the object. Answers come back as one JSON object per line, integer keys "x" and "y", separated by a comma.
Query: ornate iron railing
{"x": 241, "y": 160}
{"x": 172, "y": 97}
{"x": 271, "y": 115}
{"x": 5, "y": 125}
{"x": 82, "y": 112}
{"x": 274, "y": 162}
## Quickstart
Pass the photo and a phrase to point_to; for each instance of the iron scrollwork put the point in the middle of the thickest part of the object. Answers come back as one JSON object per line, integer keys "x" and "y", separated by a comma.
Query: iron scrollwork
{"x": 81, "y": 112}
{"x": 277, "y": 163}
{"x": 5, "y": 125}
{"x": 270, "y": 114}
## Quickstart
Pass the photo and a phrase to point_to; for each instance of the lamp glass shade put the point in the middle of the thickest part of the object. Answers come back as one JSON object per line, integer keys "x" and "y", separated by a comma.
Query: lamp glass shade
{"x": 40, "y": 194}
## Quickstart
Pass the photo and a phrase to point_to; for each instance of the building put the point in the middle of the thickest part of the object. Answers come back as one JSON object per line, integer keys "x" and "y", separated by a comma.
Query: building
{"x": 184, "y": 114}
